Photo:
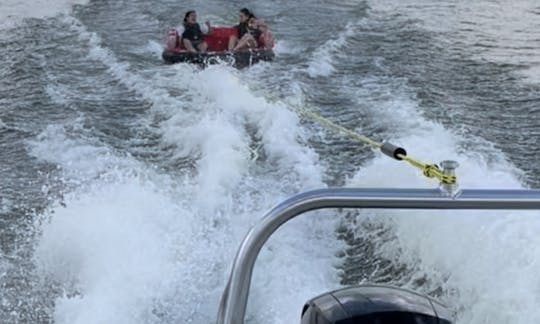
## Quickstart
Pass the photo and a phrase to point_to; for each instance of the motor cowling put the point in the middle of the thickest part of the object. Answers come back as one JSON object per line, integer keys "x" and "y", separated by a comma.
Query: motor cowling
{"x": 374, "y": 304}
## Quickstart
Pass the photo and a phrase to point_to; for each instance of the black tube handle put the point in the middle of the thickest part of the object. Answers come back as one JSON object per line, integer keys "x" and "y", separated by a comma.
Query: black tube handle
{"x": 393, "y": 151}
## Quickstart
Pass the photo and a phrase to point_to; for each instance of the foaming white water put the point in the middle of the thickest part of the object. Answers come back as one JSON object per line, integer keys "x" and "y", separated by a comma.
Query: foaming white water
{"x": 321, "y": 60}
{"x": 228, "y": 108}
{"x": 109, "y": 250}
{"x": 486, "y": 261}
{"x": 137, "y": 247}
{"x": 2, "y": 124}
{"x": 205, "y": 116}
{"x": 276, "y": 126}
{"x": 155, "y": 48}
{"x": 117, "y": 247}
{"x": 287, "y": 47}
{"x": 192, "y": 225}
{"x": 114, "y": 255}
{"x": 226, "y": 119}
{"x": 82, "y": 160}
{"x": 15, "y": 10}
{"x": 186, "y": 127}
{"x": 215, "y": 89}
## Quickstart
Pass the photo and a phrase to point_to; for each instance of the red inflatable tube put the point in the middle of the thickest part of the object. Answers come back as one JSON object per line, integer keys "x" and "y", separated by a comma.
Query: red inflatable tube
{"x": 218, "y": 40}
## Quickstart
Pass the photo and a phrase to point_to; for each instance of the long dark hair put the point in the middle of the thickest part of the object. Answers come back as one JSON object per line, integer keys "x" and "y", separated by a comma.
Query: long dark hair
{"x": 248, "y": 13}
{"x": 187, "y": 15}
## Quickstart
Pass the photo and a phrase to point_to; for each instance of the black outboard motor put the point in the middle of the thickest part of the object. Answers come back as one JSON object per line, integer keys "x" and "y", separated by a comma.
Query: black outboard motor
{"x": 373, "y": 304}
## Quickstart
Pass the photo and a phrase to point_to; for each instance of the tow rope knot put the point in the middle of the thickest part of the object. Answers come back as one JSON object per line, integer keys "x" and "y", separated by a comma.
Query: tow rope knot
{"x": 449, "y": 179}
{"x": 431, "y": 170}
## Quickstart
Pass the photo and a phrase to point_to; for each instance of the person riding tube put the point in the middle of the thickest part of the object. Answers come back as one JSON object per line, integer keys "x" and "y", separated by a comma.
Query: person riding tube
{"x": 249, "y": 29}
{"x": 193, "y": 35}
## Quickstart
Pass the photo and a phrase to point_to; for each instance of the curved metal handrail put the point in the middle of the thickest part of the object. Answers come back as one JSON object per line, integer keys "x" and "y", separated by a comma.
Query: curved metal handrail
{"x": 233, "y": 304}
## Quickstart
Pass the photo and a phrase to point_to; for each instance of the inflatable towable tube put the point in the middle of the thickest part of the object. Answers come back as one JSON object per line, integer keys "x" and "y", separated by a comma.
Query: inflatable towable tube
{"x": 218, "y": 52}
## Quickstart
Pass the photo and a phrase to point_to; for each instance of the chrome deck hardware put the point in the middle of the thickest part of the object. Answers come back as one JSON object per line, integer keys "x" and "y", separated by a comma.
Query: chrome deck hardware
{"x": 232, "y": 308}
{"x": 449, "y": 168}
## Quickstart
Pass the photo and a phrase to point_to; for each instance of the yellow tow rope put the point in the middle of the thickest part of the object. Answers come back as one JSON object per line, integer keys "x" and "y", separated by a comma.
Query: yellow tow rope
{"x": 428, "y": 170}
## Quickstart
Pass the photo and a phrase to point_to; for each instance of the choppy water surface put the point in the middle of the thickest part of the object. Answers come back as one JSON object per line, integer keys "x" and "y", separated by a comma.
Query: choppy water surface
{"x": 127, "y": 185}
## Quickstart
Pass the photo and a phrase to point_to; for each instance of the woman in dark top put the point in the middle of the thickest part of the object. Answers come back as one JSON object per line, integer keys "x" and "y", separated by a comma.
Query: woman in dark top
{"x": 249, "y": 31}
{"x": 193, "y": 36}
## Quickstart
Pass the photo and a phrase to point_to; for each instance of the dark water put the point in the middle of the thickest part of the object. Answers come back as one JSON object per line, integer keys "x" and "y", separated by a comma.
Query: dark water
{"x": 126, "y": 185}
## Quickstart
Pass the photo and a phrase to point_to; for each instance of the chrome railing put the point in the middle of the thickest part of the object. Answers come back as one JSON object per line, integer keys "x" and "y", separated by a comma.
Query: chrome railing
{"x": 233, "y": 304}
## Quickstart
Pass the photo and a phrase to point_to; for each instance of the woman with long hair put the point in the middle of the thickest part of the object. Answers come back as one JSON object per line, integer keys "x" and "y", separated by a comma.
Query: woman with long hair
{"x": 249, "y": 29}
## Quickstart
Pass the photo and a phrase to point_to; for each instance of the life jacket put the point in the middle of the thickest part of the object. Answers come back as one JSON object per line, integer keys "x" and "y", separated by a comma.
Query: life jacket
{"x": 267, "y": 40}
{"x": 244, "y": 28}
{"x": 173, "y": 39}
{"x": 193, "y": 32}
